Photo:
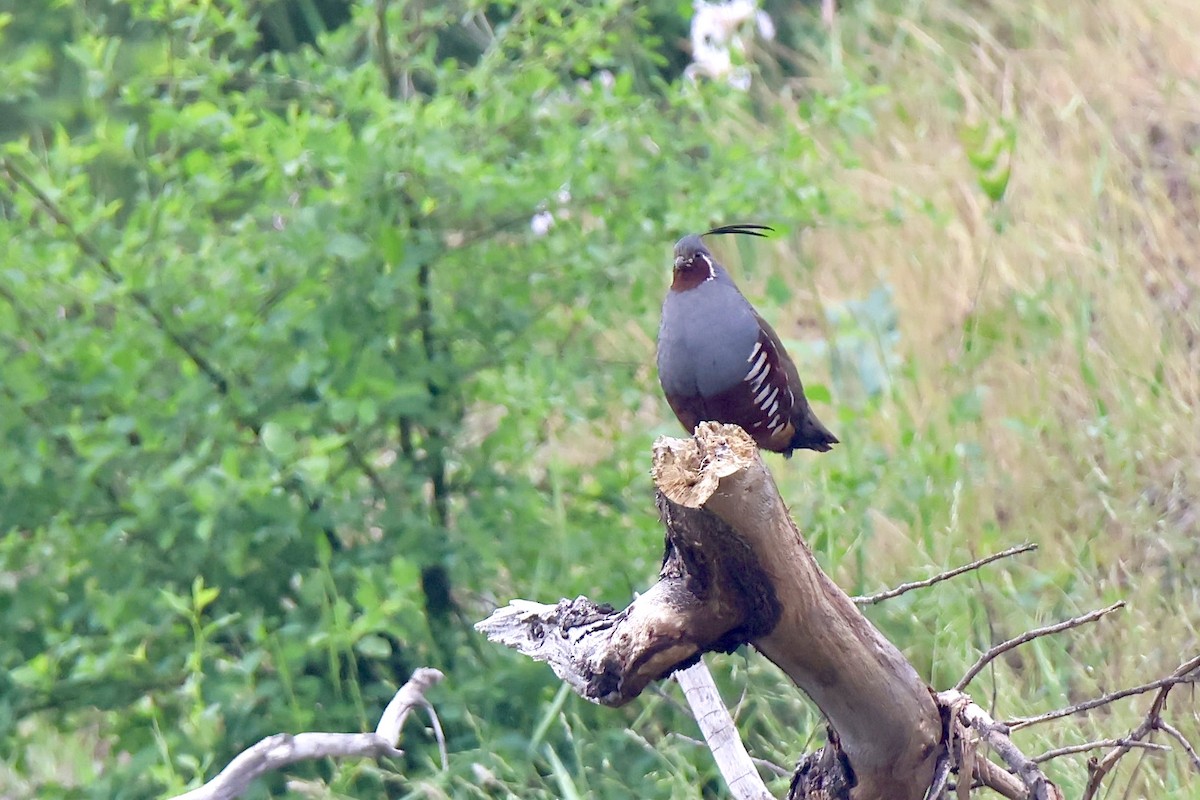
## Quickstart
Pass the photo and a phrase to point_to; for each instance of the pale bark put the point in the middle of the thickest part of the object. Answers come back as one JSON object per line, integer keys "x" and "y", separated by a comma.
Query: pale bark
{"x": 282, "y": 749}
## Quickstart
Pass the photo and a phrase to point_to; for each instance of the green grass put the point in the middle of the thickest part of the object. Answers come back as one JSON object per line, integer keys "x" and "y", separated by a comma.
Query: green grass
{"x": 1031, "y": 373}
{"x": 1001, "y": 306}
{"x": 1049, "y": 349}
{"x": 1005, "y": 363}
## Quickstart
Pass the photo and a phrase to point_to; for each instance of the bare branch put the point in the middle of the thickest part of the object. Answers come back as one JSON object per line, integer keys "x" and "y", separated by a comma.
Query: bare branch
{"x": 872, "y": 599}
{"x": 410, "y": 696}
{"x": 941, "y": 777}
{"x": 737, "y": 570}
{"x": 1099, "y": 744}
{"x": 1162, "y": 683}
{"x": 1097, "y": 770}
{"x": 720, "y": 733}
{"x": 1029, "y": 636}
{"x": 1178, "y": 736}
{"x": 278, "y": 751}
{"x": 439, "y": 735}
{"x": 998, "y": 779}
{"x": 1032, "y": 782}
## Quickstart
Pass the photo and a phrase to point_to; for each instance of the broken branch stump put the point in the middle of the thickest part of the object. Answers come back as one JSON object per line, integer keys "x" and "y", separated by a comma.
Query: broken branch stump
{"x": 737, "y": 570}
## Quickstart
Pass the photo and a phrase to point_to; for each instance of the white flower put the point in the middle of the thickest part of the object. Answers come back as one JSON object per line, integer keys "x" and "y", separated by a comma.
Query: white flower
{"x": 717, "y": 35}
{"x": 541, "y": 223}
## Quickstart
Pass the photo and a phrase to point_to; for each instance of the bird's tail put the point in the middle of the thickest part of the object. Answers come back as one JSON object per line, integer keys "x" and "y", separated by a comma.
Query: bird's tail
{"x": 812, "y": 435}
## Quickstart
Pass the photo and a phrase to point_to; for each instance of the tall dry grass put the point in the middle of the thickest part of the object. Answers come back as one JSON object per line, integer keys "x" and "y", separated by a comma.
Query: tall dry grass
{"x": 1071, "y": 309}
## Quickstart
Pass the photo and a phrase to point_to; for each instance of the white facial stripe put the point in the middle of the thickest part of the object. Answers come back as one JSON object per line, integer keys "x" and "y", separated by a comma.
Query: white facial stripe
{"x": 712, "y": 273}
{"x": 754, "y": 352}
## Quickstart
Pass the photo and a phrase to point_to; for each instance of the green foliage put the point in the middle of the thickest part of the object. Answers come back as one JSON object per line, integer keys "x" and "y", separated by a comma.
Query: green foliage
{"x": 989, "y": 146}
{"x": 292, "y": 393}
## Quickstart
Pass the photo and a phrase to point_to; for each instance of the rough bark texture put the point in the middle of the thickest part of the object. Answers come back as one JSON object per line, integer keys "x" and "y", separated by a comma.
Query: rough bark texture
{"x": 736, "y": 570}
{"x": 887, "y": 724}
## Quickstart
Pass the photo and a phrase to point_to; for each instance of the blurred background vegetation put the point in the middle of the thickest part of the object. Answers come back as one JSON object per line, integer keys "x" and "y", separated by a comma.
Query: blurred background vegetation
{"x": 294, "y": 388}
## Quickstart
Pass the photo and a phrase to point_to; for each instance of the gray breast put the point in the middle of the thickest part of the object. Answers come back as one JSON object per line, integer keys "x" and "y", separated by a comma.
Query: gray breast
{"x": 705, "y": 336}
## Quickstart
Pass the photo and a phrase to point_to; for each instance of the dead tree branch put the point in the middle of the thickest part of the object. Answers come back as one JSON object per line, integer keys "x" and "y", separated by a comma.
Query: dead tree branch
{"x": 879, "y": 597}
{"x": 970, "y": 724}
{"x": 737, "y": 570}
{"x": 1178, "y": 736}
{"x": 720, "y": 733}
{"x": 1099, "y": 744}
{"x": 1097, "y": 770}
{"x": 1078, "y": 708}
{"x": 1029, "y": 636}
{"x": 278, "y": 751}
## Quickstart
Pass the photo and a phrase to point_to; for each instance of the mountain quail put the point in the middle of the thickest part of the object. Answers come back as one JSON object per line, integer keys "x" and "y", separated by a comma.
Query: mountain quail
{"x": 718, "y": 360}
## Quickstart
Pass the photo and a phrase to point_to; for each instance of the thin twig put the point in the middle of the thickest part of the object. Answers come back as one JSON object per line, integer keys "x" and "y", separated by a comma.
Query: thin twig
{"x": 1178, "y": 736}
{"x": 438, "y": 734}
{"x": 941, "y": 776}
{"x": 1029, "y": 636}
{"x": 410, "y": 696}
{"x": 1162, "y": 683}
{"x": 1099, "y": 744}
{"x": 1097, "y": 770}
{"x": 360, "y": 460}
{"x": 872, "y": 599}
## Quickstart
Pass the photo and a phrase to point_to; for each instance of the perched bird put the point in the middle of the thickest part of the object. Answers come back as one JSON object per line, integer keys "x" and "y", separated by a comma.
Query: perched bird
{"x": 718, "y": 360}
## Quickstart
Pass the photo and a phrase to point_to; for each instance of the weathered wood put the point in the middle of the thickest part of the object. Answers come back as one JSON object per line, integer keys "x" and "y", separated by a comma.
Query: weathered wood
{"x": 887, "y": 724}
{"x": 736, "y": 570}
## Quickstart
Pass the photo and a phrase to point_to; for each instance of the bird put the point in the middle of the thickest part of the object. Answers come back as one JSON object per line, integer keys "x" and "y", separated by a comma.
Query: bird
{"x": 720, "y": 361}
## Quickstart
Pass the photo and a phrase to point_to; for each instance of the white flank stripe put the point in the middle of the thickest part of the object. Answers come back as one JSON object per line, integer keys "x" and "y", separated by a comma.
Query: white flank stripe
{"x": 761, "y": 364}
{"x": 769, "y": 399}
{"x": 776, "y": 425}
{"x": 754, "y": 352}
{"x": 758, "y": 398}
{"x": 774, "y": 408}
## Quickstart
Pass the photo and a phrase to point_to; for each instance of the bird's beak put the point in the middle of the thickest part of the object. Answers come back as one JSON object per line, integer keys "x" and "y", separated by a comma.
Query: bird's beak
{"x": 679, "y": 262}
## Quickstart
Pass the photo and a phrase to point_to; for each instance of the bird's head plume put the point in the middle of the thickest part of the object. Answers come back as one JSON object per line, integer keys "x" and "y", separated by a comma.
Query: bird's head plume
{"x": 690, "y": 247}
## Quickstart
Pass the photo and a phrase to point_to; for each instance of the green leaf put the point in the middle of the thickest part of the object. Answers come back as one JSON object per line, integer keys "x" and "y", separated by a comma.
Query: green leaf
{"x": 277, "y": 440}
